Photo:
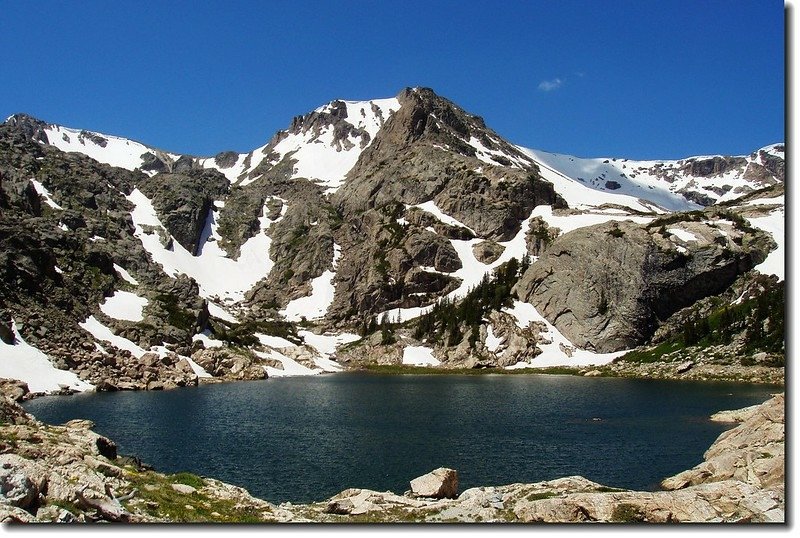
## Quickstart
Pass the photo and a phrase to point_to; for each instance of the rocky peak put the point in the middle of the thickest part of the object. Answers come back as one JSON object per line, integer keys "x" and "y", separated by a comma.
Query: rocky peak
{"x": 712, "y": 166}
{"x": 428, "y": 116}
{"x": 332, "y": 116}
{"x": 32, "y": 128}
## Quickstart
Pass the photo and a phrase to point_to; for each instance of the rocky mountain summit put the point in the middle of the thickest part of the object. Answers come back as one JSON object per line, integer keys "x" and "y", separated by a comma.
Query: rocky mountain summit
{"x": 399, "y": 231}
{"x": 68, "y": 473}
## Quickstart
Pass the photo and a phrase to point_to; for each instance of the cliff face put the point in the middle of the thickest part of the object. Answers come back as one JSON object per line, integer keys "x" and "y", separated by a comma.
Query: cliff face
{"x": 608, "y": 287}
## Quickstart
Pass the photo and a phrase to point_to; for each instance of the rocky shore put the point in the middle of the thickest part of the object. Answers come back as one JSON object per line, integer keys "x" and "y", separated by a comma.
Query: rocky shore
{"x": 68, "y": 473}
{"x": 689, "y": 371}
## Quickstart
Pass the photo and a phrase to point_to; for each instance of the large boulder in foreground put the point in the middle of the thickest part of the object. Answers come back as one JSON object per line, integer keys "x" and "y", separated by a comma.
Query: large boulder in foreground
{"x": 441, "y": 483}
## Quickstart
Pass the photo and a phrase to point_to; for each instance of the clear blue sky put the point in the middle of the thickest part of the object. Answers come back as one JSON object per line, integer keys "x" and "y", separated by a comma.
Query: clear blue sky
{"x": 627, "y": 78}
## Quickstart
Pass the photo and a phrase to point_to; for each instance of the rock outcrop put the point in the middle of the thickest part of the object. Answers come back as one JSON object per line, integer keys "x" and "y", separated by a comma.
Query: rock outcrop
{"x": 607, "y": 287}
{"x": 754, "y": 452}
{"x": 183, "y": 202}
{"x": 69, "y": 473}
{"x": 227, "y": 364}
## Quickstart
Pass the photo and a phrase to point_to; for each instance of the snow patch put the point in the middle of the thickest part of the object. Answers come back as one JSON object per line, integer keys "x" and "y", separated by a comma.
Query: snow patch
{"x": 326, "y": 344}
{"x": 103, "y": 333}
{"x": 774, "y": 224}
{"x": 219, "y": 312}
{"x": 215, "y": 273}
{"x": 316, "y": 305}
{"x": 431, "y": 207}
{"x": 208, "y": 340}
{"x": 116, "y": 152}
{"x": 683, "y": 235}
{"x": 290, "y": 366}
{"x": 126, "y": 276}
{"x": 274, "y": 341}
{"x": 553, "y": 352}
{"x": 124, "y": 305}
{"x": 472, "y": 271}
{"x": 567, "y": 223}
{"x": 492, "y": 342}
{"x": 24, "y": 362}
{"x": 198, "y": 370}
{"x": 42, "y": 191}
{"x": 419, "y": 356}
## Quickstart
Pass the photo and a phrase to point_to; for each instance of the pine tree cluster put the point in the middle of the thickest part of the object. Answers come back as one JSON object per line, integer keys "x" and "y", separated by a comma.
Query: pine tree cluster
{"x": 761, "y": 319}
{"x": 448, "y": 321}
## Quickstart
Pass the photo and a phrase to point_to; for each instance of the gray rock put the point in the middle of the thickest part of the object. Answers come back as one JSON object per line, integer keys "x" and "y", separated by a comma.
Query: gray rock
{"x": 438, "y": 484}
{"x": 487, "y": 251}
{"x": 13, "y": 389}
{"x": 183, "y": 200}
{"x": 16, "y": 489}
{"x": 606, "y": 287}
{"x": 341, "y": 507}
{"x": 183, "y": 488}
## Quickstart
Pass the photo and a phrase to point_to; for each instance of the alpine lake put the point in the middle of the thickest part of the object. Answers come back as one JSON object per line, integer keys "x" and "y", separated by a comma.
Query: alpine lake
{"x": 304, "y": 439}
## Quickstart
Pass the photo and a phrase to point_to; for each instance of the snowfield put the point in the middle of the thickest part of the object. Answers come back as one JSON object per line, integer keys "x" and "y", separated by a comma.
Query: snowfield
{"x": 321, "y": 158}
{"x": 117, "y": 151}
{"x": 215, "y": 273}
{"x": 22, "y": 361}
{"x": 632, "y": 183}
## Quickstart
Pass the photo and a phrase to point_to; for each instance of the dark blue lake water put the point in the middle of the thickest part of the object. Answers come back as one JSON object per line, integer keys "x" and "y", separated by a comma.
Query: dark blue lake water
{"x": 307, "y": 438}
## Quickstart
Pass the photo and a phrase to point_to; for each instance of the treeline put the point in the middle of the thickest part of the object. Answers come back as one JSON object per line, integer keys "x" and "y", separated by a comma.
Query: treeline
{"x": 761, "y": 319}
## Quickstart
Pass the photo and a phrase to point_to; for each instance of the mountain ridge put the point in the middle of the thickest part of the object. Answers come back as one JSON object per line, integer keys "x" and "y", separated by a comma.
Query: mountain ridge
{"x": 359, "y": 215}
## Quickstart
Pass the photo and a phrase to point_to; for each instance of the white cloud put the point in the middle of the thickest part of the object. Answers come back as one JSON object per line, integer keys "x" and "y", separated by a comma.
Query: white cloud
{"x": 550, "y": 85}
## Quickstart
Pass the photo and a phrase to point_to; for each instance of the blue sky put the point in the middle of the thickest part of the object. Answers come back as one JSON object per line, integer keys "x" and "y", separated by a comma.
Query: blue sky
{"x": 635, "y": 78}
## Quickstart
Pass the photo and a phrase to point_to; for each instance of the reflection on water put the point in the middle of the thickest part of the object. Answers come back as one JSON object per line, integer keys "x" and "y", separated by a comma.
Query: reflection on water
{"x": 307, "y": 438}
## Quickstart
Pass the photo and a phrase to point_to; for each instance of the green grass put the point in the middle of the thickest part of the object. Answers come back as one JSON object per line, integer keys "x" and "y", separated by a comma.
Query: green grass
{"x": 156, "y": 497}
{"x": 397, "y": 514}
{"x": 653, "y": 354}
{"x": 627, "y": 513}
{"x": 538, "y": 496}
{"x": 187, "y": 479}
{"x": 176, "y": 316}
{"x": 66, "y": 505}
{"x": 404, "y": 369}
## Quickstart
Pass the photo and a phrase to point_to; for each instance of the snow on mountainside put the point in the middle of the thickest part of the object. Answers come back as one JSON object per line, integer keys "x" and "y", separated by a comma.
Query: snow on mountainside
{"x": 438, "y": 234}
{"x": 322, "y": 152}
{"x": 679, "y": 185}
{"x": 112, "y": 150}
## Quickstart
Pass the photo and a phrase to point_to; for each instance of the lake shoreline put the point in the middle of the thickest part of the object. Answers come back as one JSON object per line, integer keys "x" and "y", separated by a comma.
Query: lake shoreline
{"x": 668, "y": 371}
{"x": 64, "y": 457}
{"x": 657, "y": 370}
